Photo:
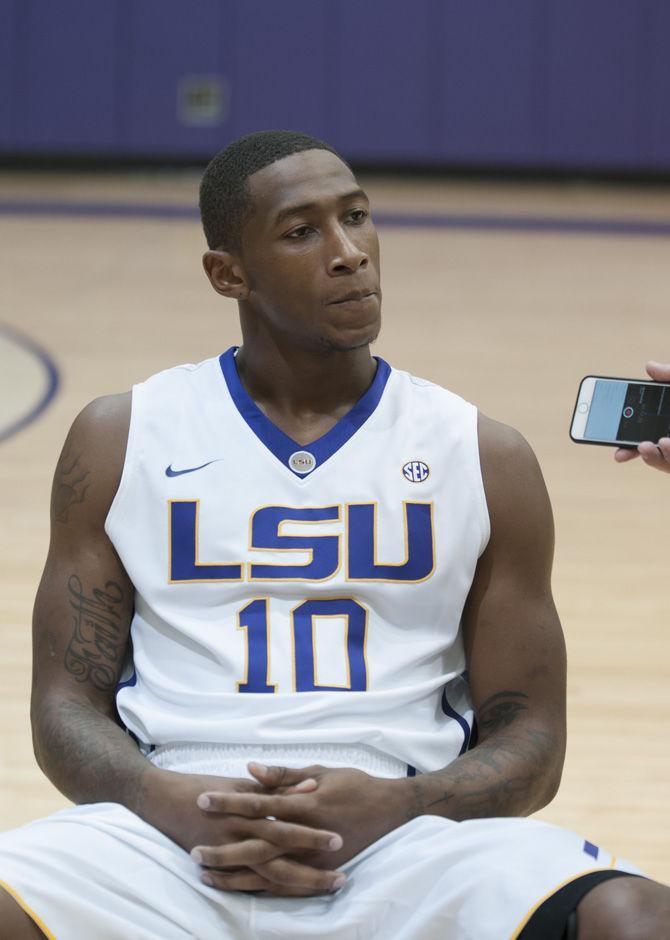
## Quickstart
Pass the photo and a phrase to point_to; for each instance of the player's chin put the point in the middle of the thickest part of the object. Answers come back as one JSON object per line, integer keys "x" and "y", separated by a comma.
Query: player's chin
{"x": 343, "y": 337}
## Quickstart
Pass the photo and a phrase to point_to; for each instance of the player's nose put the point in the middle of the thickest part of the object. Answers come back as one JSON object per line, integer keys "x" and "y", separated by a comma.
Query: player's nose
{"x": 345, "y": 255}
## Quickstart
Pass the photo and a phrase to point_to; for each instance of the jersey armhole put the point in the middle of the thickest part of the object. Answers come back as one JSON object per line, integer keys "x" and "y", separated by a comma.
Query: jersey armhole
{"x": 480, "y": 491}
{"x": 129, "y": 462}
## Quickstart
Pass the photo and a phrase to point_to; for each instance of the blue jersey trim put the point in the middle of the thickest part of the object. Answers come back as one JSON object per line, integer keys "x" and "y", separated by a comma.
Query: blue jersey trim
{"x": 451, "y": 713}
{"x": 591, "y": 849}
{"x": 127, "y": 683}
{"x": 280, "y": 444}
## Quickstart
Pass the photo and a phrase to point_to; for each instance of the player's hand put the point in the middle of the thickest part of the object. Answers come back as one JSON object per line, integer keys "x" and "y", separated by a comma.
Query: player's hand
{"x": 361, "y": 808}
{"x": 249, "y": 839}
{"x": 654, "y": 455}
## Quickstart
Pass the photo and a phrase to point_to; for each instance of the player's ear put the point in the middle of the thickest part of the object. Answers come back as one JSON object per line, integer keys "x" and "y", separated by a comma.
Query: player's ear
{"x": 225, "y": 274}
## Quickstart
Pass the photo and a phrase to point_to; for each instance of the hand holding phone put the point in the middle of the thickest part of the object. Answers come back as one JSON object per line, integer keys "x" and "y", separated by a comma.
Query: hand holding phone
{"x": 630, "y": 414}
{"x": 654, "y": 455}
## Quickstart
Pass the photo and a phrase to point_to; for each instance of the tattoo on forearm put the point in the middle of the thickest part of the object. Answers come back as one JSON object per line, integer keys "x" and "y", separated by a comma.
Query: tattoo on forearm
{"x": 88, "y": 757}
{"x": 500, "y": 711}
{"x": 95, "y": 650}
{"x": 498, "y": 779}
{"x": 505, "y": 774}
{"x": 71, "y": 484}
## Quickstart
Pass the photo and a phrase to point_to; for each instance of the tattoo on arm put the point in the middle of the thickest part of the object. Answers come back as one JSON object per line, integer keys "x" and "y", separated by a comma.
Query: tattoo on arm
{"x": 70, "y": 485}
{"x": 500, "y": 711}
{"x": 503, "y": 775}
{"x": 88, "y": 757}
{"x": 96, "y": 648}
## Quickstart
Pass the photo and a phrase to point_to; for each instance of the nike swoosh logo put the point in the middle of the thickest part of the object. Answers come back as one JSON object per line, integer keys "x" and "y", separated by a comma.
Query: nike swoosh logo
{"x": 169, "y": 472}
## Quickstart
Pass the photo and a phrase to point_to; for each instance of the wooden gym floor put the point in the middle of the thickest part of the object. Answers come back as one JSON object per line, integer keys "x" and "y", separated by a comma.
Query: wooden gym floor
{"x": 510, "y": 296}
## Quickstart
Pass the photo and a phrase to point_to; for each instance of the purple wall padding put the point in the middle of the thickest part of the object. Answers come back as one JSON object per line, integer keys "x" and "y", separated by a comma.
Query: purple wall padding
{"x": 160, "y": 42}
{"x": 382, "y": 79}
{"x": 592, "y": 110}
{"x": 546, "y": 83}
{"x": 8, "y": 50}
{"x": 488, "y": 80}
{"x": 65, "y": 75}
{"x": 281, "y": 70}
{"x": 658, "y": 85}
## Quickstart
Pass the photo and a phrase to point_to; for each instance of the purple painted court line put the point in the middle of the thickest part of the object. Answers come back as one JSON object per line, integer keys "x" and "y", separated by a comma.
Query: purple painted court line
{"x": 527, "y": 223}
{"x": 103, "y": 209}
{"x": 501, "y": 223}
{"x": 51, "y": 381}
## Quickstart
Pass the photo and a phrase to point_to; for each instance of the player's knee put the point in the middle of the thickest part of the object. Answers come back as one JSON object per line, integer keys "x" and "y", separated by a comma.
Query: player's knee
{"x": 625, "y": 909}
{"x": 14, "y": 922}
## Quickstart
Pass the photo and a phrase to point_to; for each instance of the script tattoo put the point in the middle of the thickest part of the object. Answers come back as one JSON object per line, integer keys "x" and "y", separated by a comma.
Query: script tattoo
{"x": 96, "y": 647}
{"x": 70, "y": 485}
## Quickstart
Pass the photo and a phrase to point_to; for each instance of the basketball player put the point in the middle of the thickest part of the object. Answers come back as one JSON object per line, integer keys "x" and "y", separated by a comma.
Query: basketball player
{"x": 654, "y": 455}
{"x": 282, "y": 585}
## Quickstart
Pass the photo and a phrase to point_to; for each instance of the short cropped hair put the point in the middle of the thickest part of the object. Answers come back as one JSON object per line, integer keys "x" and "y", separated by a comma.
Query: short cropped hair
{"x": 225, "y": 200}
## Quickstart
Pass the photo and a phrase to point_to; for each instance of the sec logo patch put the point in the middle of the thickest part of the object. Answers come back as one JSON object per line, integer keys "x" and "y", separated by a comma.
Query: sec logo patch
{"x": 416, "y": 471}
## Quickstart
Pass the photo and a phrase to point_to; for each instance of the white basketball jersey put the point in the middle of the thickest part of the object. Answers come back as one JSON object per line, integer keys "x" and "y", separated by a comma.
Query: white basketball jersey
{"x": 291, "y": 594}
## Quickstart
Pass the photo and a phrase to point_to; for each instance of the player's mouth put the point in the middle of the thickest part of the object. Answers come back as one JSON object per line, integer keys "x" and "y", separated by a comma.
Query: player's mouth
{"x": 353, "y": 297}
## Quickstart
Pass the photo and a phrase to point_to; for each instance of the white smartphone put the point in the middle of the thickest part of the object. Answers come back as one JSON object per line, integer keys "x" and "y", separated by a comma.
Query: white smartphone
{"x": 620, "y": 412}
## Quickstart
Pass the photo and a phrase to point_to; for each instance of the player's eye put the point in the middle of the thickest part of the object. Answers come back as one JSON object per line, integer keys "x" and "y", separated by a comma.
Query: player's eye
{"x": 358, "y": 215}
{"x": 301, "y": 231}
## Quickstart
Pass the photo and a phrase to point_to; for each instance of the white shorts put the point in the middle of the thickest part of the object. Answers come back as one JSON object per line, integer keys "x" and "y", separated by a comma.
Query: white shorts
{"x": 100, "y": 871}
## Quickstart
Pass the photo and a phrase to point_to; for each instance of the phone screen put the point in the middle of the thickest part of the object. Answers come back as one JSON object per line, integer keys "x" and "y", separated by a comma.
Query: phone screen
{"x": 629, "y": 412}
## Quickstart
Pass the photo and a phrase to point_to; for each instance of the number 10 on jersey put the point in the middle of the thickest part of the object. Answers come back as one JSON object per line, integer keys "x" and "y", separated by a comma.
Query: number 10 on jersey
{"x": 254, "y": 620}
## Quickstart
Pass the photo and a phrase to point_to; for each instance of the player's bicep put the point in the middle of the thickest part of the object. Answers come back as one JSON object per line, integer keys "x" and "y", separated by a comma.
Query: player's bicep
{"x": 84, "y": 603}
{"x": 81, "y": 623}
{"x": 514, "y": 643}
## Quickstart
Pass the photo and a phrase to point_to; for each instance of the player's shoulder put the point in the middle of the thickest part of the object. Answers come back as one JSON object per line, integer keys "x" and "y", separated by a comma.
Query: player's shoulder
{"x": 179, "y": 375}
{"x": 429, "y": 394}
{"x": 500, "y": 442}
{"x": 497, "y": 441}
{"x": 102, "y": 426}
{"x": 511, "y": 474}
{"x": 92, "y": 458}
{"x": 103, "y": 420}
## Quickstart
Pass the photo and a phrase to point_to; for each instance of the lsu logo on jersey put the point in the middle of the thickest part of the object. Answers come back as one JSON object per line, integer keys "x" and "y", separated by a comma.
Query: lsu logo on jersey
{"x": 352, "y": 544}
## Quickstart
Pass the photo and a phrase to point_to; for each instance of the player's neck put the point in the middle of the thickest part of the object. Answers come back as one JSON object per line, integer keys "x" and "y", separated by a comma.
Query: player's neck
{"x": 297, "y": 387}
